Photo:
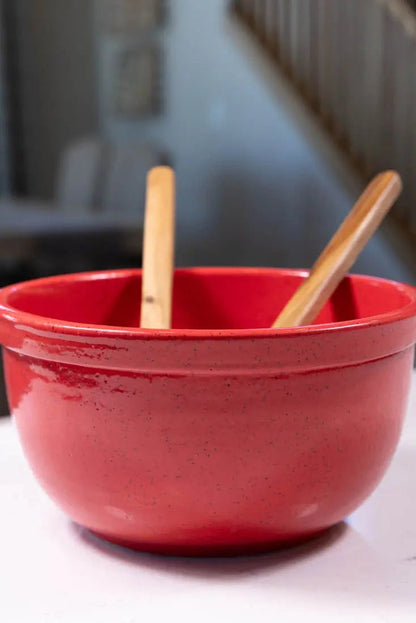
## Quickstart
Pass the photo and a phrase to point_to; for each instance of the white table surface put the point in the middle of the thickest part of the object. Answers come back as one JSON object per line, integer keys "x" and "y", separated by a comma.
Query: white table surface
{"x": 53, "y": 571}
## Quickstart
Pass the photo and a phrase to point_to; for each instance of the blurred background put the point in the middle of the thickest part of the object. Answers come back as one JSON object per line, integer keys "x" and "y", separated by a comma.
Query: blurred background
{"x": 274, "y": 114}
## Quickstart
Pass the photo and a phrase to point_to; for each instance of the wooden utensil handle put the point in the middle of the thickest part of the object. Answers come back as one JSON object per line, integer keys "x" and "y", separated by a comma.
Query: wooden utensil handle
{"x": 342, "y": 251}
{"x": 158, "y": 250}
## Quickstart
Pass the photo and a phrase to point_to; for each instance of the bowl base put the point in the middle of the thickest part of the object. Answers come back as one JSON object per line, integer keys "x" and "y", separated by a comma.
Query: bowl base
{"x": 214, "y": 550}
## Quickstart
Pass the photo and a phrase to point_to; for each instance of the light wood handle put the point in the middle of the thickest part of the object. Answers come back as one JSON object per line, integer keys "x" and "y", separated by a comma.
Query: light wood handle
{"x": 158, "y": 250}
{"x": 342, "y": 251}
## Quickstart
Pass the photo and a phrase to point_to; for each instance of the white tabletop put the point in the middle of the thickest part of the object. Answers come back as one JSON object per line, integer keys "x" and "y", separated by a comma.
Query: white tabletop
{"x": 53, "y": 571}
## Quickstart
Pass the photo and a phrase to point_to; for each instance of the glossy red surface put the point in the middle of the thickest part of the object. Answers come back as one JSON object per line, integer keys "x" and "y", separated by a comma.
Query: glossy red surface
{"x": 219, "y": 436}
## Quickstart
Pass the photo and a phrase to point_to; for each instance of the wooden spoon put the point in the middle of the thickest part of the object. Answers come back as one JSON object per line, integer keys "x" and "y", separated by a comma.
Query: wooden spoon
{"x": 342, "y": 251}
{"x": 158, "y": 250}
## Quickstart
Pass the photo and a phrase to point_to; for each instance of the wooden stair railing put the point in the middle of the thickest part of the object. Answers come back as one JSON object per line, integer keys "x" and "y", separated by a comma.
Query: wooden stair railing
{"x": 354, "y": 61}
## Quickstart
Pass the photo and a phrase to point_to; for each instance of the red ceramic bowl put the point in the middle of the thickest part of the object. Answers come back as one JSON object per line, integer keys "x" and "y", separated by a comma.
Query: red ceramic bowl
{"x": 220, "y": 436}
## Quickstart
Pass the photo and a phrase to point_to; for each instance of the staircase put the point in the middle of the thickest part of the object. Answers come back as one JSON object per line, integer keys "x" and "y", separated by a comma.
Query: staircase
{"x": 354, "y": 63}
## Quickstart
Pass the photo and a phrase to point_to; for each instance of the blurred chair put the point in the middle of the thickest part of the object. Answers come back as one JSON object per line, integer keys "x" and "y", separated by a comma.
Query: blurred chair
{"x": 78, "y": 175}
{"x": 100, "y": 192}
{"x": 103, "y": 182}
{"x": 99, "y": 176}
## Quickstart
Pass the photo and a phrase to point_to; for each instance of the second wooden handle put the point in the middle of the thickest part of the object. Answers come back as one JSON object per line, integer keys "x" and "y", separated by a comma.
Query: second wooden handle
{"x": 158, "y": 250}
{"x": 342, "y": 251}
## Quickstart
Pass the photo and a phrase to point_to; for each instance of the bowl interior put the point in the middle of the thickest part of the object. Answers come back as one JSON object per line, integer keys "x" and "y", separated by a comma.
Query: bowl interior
{"x": 203, "y": 298}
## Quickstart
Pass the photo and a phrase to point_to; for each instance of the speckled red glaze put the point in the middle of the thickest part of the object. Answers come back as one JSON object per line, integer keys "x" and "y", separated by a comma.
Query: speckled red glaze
{"x": 217, "y": 438}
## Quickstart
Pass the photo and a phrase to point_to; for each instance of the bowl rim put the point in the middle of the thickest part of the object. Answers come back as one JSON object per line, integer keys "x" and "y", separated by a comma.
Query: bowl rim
{"x": 13, "y": 315}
